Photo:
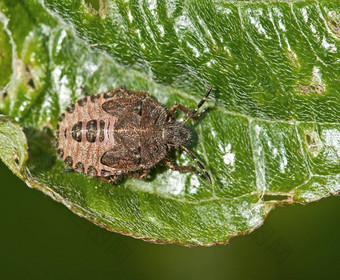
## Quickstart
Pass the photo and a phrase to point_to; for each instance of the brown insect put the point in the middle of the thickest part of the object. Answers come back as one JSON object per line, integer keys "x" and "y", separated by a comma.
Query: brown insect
{"x": 121, "y": 133}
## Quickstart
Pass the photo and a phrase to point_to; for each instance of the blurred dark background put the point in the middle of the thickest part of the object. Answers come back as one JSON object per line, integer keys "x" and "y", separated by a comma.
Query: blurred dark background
{"x": 42, "y": 239}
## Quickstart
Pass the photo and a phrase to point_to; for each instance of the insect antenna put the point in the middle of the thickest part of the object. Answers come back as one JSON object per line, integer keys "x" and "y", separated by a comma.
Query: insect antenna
{"x": 193, "y": 112}
{"x": 204, "y": 175}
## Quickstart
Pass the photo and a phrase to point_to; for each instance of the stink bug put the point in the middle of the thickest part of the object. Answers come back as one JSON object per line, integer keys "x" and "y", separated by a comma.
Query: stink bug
{"x": 123, "y": 132}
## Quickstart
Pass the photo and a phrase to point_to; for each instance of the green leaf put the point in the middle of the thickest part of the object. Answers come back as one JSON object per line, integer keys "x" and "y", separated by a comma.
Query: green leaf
{"x": 5, "y": 55}
{"x": 272, "y": 136}
{"x": 13, "y": 146}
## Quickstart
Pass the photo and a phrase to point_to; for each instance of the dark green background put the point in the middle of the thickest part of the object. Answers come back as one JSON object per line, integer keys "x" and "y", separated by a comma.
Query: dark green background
{"x": 42, "y": 239}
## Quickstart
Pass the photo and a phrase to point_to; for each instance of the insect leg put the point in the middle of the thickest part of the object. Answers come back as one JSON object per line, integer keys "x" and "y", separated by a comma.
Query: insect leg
{"x": 110, "y": 179}
{"x": 169, "y": 164}
{"x": 189, "y": 168}
{"x": 200, "y": 165}
{"x": 193, "y": 112}
{"x": 184, "y": 109}
{"x": 139, "y": 175}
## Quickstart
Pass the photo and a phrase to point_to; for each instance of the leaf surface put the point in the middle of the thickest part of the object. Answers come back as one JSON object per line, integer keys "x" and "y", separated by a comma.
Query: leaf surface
{"x": 272, "y": 135}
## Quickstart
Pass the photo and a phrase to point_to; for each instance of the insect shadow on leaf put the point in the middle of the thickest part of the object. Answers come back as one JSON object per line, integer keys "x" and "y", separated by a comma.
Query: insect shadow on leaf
{"x": 40, "y": 147}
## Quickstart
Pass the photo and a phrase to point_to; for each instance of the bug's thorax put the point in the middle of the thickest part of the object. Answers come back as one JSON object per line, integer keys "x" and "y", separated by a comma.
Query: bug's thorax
{"x": 175, "y": 134}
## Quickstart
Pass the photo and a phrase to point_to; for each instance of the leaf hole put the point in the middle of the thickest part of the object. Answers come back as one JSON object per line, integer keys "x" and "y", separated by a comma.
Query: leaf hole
{"x": 313, "y": 88}
{"x": 97, "y": 7}
{"x": 310, "y": 140}
{"x": 16, "y": 160}
{"x": 31, "y": 83}
{"x": 334, "y": 25}
{"x": 313, "y": 142}
{"x": 29, "y": 79}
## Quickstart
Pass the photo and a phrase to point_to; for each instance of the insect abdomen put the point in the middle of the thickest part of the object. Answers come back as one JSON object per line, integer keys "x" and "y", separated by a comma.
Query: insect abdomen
{"x": 85, "y": 132}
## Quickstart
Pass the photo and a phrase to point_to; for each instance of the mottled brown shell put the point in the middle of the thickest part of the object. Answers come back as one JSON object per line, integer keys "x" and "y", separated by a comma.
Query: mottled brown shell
{"x": 112, "y": 133}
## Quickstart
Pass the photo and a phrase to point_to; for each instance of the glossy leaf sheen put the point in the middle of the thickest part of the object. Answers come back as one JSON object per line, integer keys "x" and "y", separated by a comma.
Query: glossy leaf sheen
{"x": 272, "y": 136}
